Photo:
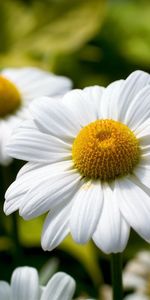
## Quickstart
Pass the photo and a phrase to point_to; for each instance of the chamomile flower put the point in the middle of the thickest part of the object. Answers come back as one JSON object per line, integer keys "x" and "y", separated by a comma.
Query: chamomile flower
{"x": 18, "y": 87}
{"x": 25, "y": 285}
{"x": 89, "y": 165}
{"x": 136, "y": 296}
{"x": 136, "y": 276}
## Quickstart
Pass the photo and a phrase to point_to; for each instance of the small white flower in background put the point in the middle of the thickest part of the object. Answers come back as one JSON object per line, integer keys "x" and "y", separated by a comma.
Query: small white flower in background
{"x": 25, "y": 286}
{"x": 89, "y": 165}
{"x": 18, "y": 87}
{"x": 136, "y": 276}
{"x": 136, "y": 297}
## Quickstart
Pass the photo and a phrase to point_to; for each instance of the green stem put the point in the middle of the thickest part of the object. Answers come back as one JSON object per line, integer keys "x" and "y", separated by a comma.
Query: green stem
{"x": 116, "y": 271}
{"x": 7, "y": 175}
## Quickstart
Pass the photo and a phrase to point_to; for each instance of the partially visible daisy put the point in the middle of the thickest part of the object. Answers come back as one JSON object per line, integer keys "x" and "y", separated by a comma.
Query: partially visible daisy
{"x": 136, "y": 296}
{"x": 25, "y": 286}
{"x": 89, "y": 165}
{"x": 136, "y": 276}
{"x": 18, "y": 87}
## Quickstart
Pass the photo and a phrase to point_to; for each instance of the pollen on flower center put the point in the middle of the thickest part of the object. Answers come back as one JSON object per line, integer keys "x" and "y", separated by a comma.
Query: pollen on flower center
{"x": 105, "y": 149}
{"x": 10, "y": 99}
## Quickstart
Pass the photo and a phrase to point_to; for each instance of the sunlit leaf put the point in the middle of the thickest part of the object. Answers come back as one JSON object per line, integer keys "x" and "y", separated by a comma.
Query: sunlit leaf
{"x": 48, "y": 28}
{"x": 128, "y": 27}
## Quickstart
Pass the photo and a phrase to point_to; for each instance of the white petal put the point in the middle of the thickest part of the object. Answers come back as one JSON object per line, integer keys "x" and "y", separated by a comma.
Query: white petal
{"x": 145, "y": 154}
{"x": 136, "y": 296}
{"x": 131, "y": 87}
{"x": 83, "y": 104}
{"x": 60, "y": 287}
{"x": 139, "y": 110}
{"x": 54, "y": 118}
{"x": 25, "y": 284}
{"x": 48, "y": 193}
{"x": 5, "y": 133}
{"x": 24, "y": 75}
{"x": 29, "y": 167}
{"x": 47, "y": 86}
{"x": 94, "y": 95}
{"x": 33, "y": 82}
{"x": 142, "y": 132}
{"x": 24, "y": 182}
{"x": 119, "y": 95}
{"x": 143, "y": 129}
{"x": 4, "y": 290}
{"x": 28, "y": 143}
{"x": 142, "y": 171}
{"x": 26, "y": 179}
{"x": 110, "y": 101}
{"x": 56, "y": 226}
{"x": 112, "y": 230}
{"x": 133, "y": 281}
{"x": 135, "y": 206}
{"x": 12, "y": 205}
{"x": 86, "y": 211}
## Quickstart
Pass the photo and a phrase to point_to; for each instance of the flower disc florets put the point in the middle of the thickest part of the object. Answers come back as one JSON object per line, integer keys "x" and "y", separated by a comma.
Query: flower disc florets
{"x": 10, "y": 99}
{"x": 105, "y": 149}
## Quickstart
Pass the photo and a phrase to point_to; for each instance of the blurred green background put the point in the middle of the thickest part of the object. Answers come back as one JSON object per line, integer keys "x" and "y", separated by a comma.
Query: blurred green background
{"x": 92, "y": 42}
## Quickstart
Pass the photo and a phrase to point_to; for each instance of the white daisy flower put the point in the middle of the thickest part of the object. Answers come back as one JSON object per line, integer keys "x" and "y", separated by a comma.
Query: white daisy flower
{"x": 18, "y": 87}
{"x": 25, "y": 285}
{"x": 89, "y": 165}
{"x": 136, "y": 276}
{"x": 136, "y": 297}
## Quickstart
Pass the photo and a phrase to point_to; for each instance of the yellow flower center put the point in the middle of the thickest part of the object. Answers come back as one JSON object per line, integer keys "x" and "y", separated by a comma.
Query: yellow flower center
{"x": 10, "y": 99}
{"x": 105, "y": 149}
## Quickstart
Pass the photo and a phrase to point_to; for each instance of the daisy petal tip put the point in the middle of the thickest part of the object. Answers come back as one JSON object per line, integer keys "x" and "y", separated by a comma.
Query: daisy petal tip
{"x": 9, "y": 207}
{"x": 49, "y": 242}
{"x": 46, "y": 244}
{"x": 66, "y": 281}
{"x": 69, "y": 281}
{"x": 25, "y": 214}
{"x": 109, "y": 248}
{"x": 139, "y": 73}
{"x": 6, "y": 209}
{"x": 25, "y": 217}
{"x": 8, "y": 194}
{"x": 78, "y": 234}
{"x": 80, "y": 238}
{"x": 105, "y": 250}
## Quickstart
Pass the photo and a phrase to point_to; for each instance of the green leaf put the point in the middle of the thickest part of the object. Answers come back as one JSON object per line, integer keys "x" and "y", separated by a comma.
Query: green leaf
{"x": 128, "y": 28}
{"x": 69, "y": 29}
{"x": 48, "y": 28}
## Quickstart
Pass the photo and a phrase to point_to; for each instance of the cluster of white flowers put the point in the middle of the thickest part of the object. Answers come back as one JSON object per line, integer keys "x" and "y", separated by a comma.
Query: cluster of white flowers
{"x": 89, "y": 164}
{"x": 25, "y": 285}
{"x": 136, "y": 276}
{"x": 87, "y": 153}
